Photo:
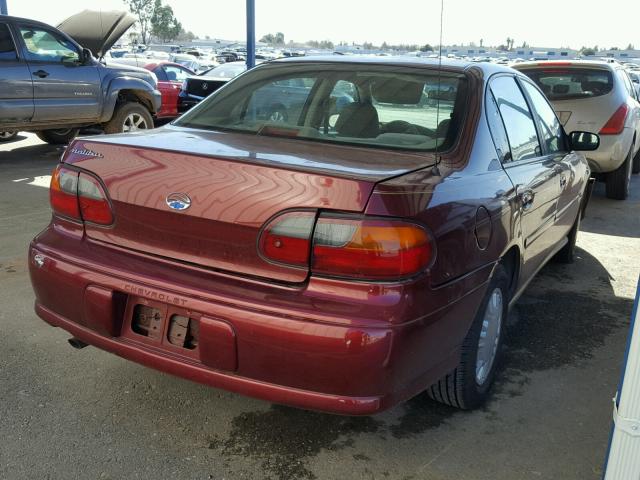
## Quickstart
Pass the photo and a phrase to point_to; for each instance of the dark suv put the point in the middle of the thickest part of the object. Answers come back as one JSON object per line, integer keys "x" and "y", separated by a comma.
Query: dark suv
{"x": 53, "y": 86}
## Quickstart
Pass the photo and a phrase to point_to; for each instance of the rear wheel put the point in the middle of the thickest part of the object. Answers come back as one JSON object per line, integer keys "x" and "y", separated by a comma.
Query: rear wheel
{"x": 7, "y": 136}
{"x": 469, "y": 384}
{"x": 129, "y": 117}
{"x": 617, "y": 182}
{"x": 60, "y": 136}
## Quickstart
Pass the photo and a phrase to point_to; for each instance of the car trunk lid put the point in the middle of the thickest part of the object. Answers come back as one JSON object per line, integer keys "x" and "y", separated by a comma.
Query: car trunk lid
{"x": 235, "y": 182}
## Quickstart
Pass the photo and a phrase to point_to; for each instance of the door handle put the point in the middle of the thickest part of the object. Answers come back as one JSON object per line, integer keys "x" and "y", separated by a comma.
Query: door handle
{"x": 41, "y": 73}
{"x": 526, "y": 198}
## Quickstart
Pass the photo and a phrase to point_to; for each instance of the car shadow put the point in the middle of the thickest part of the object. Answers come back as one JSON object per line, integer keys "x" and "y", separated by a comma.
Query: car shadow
{"x": 17, "y": 138}
{"x": 37, "y": 154}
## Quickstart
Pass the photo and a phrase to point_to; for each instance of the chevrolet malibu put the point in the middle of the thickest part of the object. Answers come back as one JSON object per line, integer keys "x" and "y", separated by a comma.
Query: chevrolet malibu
{"x": 341, "y": 260}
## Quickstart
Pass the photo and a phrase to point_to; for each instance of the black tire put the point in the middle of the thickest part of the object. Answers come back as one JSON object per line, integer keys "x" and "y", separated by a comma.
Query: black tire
{"x": 461, "y": 388}
{"x": 636, "y": 163}
{"x": 617, "y": 182}
{"x": 567, "y": 253}
{"x": 7, "y": 136}
{"x": 60, "y": 136}
{"x": 126, "y": 115}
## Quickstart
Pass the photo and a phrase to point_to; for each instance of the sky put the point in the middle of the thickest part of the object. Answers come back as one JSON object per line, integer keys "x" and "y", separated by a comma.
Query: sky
{"x": 542, "y": 23}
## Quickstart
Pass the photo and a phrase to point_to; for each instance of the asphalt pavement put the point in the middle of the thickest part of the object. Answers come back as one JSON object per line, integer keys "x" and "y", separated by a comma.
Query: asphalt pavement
{"x": 86, "y": 414}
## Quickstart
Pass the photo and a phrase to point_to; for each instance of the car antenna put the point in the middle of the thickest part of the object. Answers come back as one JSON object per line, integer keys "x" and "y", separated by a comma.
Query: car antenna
{"x": 435, "y": 169}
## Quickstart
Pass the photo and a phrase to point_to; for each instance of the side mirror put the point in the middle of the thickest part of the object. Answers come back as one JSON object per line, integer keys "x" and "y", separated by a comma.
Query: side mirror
{"x": 85, "y": 56}
{"x": 584, "y": 141}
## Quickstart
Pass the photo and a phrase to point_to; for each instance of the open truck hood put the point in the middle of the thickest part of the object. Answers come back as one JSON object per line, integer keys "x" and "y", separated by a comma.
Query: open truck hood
{"x": 98, "y": 31}
{"x": 235, "y": 183}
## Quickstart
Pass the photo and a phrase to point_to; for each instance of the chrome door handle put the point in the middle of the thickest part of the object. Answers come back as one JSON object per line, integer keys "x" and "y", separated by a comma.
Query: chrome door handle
{"x": 526, "y": 198}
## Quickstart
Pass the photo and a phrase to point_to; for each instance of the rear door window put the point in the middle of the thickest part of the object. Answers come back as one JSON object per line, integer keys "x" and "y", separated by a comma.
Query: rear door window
{"x": 550, "y": 128}
{"x": 572, "y": 83}
{"x": 518, "y": 120}
{"x": 496, "y": 127}
{"x": 7, "y": 48}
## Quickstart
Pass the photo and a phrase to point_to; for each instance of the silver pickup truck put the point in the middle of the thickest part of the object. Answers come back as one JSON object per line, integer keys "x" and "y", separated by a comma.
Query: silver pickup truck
{"x": 53, "y": 83}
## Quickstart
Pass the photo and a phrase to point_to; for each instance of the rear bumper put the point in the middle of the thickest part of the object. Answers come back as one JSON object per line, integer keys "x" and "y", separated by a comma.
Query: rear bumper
{"x": 286, "y": 356}
{"x": 612, "y": 152}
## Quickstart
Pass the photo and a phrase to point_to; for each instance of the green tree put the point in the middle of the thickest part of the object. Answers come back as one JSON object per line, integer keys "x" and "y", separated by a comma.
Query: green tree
{"x": 426, "y": 48}
{"x": 630, "y": 47}
{"x": 279, "y": 38}
{"x": 143, "y": 9}
{"x": 588, "y": 52}
{"x": 164, "y": 24}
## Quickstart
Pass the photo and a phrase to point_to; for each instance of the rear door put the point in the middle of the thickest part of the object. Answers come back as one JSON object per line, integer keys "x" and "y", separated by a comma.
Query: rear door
{"x": 16, "y": 88}
{"x": 64, "y": 89}
{"x": 570, "y": 166}
{"x": 533, "y": 173}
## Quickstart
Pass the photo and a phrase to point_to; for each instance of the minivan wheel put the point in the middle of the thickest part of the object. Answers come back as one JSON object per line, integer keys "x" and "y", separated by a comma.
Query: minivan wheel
{"x": 129, "y": 117}
{"x": 468, "y": 386}
{"x": 636, "y": 163}
{"x": 566, "y": 253}
{"x": 60, "y": 136}
{"x": 617, "y": 182}
{"x": 7, "y": 136}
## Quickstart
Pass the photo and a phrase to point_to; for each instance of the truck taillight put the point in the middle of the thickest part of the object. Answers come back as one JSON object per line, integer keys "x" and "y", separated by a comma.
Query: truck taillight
{"x": 369, "y": 248}
{"x": 79, "y": 196}
{"x": 615, "y": 125}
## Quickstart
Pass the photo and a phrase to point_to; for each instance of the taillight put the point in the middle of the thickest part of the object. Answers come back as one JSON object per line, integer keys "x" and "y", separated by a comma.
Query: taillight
{"x": 63, "y": 192}
{"x": 615, "y": 125}
{"x": 369, "y": 248}
{"x": 94, "y": 206}
{"x": 80, "y": 196}
{"x": 287, "y": 239}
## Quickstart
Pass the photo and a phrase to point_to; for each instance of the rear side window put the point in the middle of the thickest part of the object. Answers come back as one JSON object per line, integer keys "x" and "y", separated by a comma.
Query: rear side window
{"x": 7, "y": 48}
{"x": 517, "y": 117}
{"x": 550, "y": 128}
{"x": 572, "y": 83}
{"x": 498, "y": 132}
{"x": 377, "y": 106}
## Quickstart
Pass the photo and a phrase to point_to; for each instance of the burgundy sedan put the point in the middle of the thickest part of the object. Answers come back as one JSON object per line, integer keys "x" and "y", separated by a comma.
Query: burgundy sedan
{"x": 170, "y": 77}
{"x": 342, "y": 260}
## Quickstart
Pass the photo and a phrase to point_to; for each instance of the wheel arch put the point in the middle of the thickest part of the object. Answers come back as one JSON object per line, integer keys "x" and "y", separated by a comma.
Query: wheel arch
{"x": 128, "y": 89}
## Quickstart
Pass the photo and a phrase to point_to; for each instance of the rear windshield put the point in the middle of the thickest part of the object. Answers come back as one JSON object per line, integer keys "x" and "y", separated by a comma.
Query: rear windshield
{"x": 378, "y": 106}
{"x": 572, "y": 83}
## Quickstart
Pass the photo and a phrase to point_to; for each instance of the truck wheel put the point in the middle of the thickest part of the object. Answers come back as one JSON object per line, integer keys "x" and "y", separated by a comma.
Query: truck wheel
{"x": 636, "y": 163}
{"x": 129, "y": 117}
{"x": 61, "y": 136}
{"x": 469, "y": 384}
{"x": 617, "y": 182}
{"x": 566, "y": 254}
{"x": 7, "y": 136}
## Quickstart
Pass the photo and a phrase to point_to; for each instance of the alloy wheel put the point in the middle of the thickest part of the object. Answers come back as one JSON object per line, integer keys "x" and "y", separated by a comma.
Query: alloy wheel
{"x": 489, "y": 336}
{"x": 134, "y": 122}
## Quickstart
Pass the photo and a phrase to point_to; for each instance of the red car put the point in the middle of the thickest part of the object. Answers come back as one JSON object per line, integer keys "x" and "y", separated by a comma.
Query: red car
{"x": 170, "y": 77}
{"x": 338, "y": 259}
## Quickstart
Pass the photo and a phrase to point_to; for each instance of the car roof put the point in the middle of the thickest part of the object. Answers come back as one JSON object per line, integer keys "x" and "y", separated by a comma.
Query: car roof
{"x": 487, "y": 69}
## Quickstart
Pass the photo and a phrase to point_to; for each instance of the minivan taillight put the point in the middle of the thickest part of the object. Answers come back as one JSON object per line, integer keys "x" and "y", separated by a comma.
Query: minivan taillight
{"x": 615, "y": 125}
{"x": 369, "y": 248}
{"x": 80, "y": 196}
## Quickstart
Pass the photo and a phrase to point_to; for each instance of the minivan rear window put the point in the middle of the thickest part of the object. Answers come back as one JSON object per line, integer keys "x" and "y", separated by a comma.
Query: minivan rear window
{"x": 572, "y": 83}
{"x": 372, "y": 105}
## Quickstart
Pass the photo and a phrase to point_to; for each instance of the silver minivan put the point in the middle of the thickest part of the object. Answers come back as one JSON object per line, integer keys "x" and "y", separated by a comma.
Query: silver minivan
{"x": 598, "y": 97}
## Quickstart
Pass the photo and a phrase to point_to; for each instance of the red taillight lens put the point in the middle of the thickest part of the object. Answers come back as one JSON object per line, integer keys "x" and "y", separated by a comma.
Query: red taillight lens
{"x": 373, "y": 249}
{"x": 94, "y": 205}
{"x": 287, "y": 239}
{"x": 63, "y": 192}
{"x": 615, "y": 125}
{"x": 80, "y": 196}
